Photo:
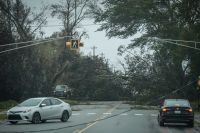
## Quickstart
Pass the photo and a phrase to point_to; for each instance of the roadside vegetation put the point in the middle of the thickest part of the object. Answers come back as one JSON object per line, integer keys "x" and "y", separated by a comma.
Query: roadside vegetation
{"x": 160, "y": 68}
{"x": 72, "y": 102}
{"x": 3, "y": 117}
{"x": 24, "y": 75}
{"x": 5, "y": 105}
{"x": 153, "y": 69}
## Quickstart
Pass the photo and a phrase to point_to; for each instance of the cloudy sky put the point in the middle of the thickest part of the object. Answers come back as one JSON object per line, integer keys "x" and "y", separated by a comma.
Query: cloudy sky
{"x": 104, "y": 45}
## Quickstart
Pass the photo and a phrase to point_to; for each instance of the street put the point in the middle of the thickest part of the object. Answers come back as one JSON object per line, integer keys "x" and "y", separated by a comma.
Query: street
{"x": 102, "y": 117}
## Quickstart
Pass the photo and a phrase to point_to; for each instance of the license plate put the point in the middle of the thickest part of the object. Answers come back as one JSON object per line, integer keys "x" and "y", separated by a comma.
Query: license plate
{"x": 177, "y": 112}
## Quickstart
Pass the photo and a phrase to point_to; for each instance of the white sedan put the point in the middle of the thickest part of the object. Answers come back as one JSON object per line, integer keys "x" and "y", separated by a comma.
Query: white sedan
{"x": 38, "y": 110}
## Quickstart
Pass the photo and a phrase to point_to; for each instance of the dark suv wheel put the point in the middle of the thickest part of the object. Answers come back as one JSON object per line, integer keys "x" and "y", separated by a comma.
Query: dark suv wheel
{"x": 160, "y": 121}
{"x": 191, "y": 124}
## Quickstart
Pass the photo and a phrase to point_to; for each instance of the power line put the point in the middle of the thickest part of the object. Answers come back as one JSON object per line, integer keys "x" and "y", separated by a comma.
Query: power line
{"x": 9, "y": 44}
{"x": 172, "y": 92}
{"x": 59, "y": 25}
{"x": 34, "y": 44}
{"x": 94, "y": 48}
{"x": 187, "y": 41}
{"x": 23, "y": 47}
{"x": 178, "y": 44}
{"x": 175, "y": 42}
{"x": 168, "y": 39}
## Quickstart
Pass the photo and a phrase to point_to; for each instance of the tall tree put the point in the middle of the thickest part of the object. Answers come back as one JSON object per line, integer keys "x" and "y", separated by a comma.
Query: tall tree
{"x": 71, "y": 13}
{"x": 16, "y": 25}
{"x": 161, "y": 19}
{"x": 20, "y": 19}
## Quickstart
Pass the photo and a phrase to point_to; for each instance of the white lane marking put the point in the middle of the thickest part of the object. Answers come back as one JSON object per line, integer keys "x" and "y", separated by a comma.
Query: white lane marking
{"x": 124, "y": 114}
{"x": 101, "y": 117}
{"x": 76, "y": 114}
{"x": 138, "y": 114}
{"x": 92, "y": 113}
{"x": 153, "y": 115}
{"x": 107, "y": 113}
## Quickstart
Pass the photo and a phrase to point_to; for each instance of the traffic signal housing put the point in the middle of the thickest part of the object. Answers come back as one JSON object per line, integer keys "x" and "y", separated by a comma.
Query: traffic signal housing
{"x": 74, "y": 44}
{"x": 68, "y": 45}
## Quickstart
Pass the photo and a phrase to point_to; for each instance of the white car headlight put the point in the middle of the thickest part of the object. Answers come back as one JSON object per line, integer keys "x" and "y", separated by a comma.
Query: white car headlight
{"x": 26, "y": 111}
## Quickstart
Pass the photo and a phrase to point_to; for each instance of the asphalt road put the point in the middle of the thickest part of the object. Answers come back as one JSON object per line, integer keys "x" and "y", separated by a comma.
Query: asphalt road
{"x": 88, "y": 119}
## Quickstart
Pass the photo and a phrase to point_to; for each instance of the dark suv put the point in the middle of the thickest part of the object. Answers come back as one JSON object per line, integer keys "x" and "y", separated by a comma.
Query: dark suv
{"x": 62, "y": 91}
{"x": 176, "y": 111}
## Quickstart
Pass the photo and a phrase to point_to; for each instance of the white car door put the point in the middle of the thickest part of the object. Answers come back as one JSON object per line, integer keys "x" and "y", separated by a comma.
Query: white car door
{"x": 46, "y": 112}
{"x": 57, "y": 108}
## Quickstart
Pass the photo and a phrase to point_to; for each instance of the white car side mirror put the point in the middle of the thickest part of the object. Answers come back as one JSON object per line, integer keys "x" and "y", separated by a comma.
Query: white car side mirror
{"x": 42, "y": 105}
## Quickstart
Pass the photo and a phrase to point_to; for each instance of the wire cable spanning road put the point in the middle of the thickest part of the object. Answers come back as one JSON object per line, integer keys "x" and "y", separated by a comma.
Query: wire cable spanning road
{"x": 43, "y": 41}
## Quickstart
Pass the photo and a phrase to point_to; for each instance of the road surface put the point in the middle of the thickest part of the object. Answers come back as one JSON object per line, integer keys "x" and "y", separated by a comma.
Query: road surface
{"x": 102, "y": 117}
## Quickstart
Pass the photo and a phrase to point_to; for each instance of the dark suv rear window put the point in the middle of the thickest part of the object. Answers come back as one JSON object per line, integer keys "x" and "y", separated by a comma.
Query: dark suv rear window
{"x": 183, "y": 103}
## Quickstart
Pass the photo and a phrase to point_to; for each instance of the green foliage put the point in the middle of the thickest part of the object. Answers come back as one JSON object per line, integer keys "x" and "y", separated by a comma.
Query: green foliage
{"x": 72, "y": 102}
{"x": 162, "y": 71}
{"x": 16, "y": 20}
{"x": 3, "y": 117}
{"x": 4, "y": 105}
{"x": 51, "y": 63}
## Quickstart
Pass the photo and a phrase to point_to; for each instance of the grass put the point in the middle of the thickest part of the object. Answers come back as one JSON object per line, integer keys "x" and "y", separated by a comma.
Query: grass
{"x": 3, "y": 117}
{"x": 75, "y": 102}
{"x": 194, "y": 105}
{"x": 1, "y": 110}
{"x": 72, "y": 102}
{"x": 141, "y": 107}
{"x": 7, "y": 104}
{"x": 129, "y": 102}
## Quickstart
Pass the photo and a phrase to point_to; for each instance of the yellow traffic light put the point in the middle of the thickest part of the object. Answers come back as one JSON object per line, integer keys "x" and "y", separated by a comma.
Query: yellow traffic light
{"x": 74, "y": 44}
{"x": 68, "y": 45}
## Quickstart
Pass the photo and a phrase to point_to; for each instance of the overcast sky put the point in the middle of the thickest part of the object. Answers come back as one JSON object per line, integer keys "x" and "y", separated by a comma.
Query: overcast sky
{"x": 104, "y": 45}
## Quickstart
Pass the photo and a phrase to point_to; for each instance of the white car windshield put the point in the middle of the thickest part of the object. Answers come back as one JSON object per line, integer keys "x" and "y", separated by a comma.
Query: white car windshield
{"x": 30, "y": 102}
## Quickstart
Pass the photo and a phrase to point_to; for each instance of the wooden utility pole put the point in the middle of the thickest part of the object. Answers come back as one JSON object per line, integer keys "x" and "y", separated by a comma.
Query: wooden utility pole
{"x": 94, "y": 48}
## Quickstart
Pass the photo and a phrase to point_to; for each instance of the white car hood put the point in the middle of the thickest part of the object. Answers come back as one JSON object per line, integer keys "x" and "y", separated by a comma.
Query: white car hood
{"x": 18, "y": 109}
